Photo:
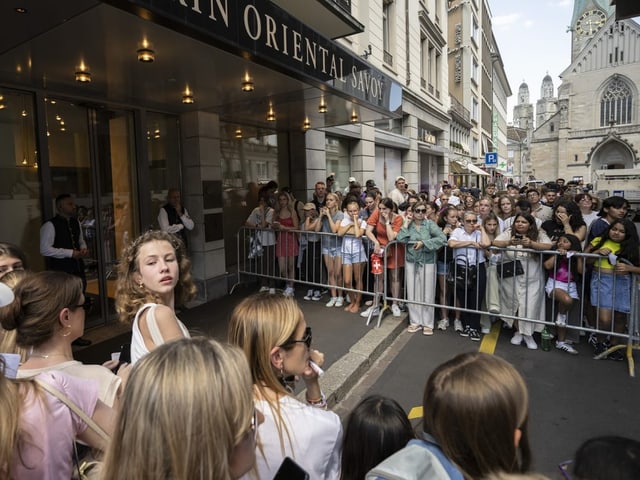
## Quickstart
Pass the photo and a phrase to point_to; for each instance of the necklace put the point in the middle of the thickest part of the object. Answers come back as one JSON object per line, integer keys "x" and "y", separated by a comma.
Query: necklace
{"x": 39, "y": 355}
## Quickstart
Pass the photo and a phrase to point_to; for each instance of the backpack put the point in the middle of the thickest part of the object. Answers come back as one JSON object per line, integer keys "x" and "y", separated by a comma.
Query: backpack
{"x": 420, "y": 460}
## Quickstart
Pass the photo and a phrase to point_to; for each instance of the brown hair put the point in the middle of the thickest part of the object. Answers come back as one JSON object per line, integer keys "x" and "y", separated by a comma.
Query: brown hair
{"x": 130, "y": 296}
{"x": 39, "y": 298}
{"x": 473, "y": 404}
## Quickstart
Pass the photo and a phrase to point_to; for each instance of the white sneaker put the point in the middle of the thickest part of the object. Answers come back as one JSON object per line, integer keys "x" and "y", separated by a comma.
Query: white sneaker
{"x": 289, "y": 292}
{"x": 339, "y": 302}
{"x": 457, "y": 325}
{"x": 309, "y": 295}
{"x": 531, "y": 343}
{"x": 332, "y": 302}
{"x": 347, "y": 298}
{"x": 516, "y": 339}
{"x": 395, "y": 310}
{"x": 371, "y": 310}
{"x": 316, "y": 296}
{"x": 272, "y": 291}
{"x": 485, "y": 330}
{"x": 368, "y": 303}
{"x": 561, "y": 320}
{"x": 565, "y": 347}
{"x": 443, "y": 324}
{"x": 264, "y": 289}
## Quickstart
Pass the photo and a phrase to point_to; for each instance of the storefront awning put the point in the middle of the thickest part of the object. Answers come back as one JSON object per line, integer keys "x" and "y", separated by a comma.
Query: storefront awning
{"x": 459, "y": 168}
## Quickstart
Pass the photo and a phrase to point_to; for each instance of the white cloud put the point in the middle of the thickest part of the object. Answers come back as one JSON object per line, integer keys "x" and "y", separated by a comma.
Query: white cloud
{"x": 529, "y": 23}
{"x": 506, "y": 20}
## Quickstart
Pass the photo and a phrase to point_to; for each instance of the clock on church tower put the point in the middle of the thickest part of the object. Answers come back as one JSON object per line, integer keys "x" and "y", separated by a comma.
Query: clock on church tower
{"x": 590, "y": 22}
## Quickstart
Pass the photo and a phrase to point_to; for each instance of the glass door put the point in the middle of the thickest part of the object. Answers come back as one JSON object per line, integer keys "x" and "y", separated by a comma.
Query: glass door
{"x": 92, "y": 157}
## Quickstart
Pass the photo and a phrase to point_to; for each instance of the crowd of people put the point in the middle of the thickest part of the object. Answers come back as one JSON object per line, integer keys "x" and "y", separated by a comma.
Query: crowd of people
{"x": 508, "y": 253}
{"x": 185, "y": 408}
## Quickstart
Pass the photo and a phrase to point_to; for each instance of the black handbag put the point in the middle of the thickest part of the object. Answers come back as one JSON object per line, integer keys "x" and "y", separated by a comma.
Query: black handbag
{"x": 510, "y": 268}
{"x": 462, "y": 276}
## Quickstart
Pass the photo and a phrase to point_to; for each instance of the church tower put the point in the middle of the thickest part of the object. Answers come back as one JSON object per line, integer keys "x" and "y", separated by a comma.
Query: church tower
{"x": 588, "y": 17}
{"x": 523, "y": 111}
{"x": 547, "y": 105}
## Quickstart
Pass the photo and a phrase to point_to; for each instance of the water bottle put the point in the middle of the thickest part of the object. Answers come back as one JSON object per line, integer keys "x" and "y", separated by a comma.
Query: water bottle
{"x": 546, "y": 339}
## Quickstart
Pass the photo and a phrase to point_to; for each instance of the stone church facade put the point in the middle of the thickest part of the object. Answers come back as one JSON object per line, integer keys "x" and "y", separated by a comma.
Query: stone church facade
{"x": 594, "y": 122}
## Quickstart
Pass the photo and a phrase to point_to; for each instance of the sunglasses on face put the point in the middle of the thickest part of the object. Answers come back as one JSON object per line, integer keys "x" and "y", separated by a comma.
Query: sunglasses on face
{"x": 306, "y": 339}
{"x": 420, "y": 210}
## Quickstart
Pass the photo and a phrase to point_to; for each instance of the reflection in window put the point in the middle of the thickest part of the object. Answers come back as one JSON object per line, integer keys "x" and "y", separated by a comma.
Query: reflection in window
{"x": 616, "y": 104}
{"x": 19, "y": 179}
{"x": 337, "y": 151}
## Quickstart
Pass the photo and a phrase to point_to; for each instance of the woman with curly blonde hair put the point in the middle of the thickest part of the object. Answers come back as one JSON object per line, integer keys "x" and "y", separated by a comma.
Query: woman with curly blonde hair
{"x": 153, "y": 276}
{"x": 188, "y": 414}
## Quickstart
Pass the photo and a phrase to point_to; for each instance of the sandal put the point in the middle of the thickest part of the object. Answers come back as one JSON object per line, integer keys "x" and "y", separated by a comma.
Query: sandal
{"x": 427, "y": 331}
{"x": 413, "y": 328}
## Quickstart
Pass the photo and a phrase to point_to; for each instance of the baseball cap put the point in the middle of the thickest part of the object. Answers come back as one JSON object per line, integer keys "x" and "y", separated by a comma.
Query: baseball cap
{"x": 400, "y": 177}
{"x": 371, "y": 183}
{"x": 511, "y": 185}
{"x": 352, "y": 179}
{"x": 309, "y": 206}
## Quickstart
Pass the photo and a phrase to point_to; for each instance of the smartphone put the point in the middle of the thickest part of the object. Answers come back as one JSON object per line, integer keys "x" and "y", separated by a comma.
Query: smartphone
{"x": 518, "y": 236}
{"x": 290, "y": 470}
{"x": 125, "y": 353}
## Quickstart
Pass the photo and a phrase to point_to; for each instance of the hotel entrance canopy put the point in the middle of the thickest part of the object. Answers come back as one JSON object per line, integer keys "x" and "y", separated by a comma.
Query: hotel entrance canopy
{"x": 210, "y": 47}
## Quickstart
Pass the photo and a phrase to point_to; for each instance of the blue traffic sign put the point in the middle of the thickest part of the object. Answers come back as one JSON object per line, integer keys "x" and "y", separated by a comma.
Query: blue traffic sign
{"x": 491, "y": 158}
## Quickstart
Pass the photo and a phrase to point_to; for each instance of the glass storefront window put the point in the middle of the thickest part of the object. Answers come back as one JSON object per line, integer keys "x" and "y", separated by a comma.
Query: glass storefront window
{"x": 388, "y": 167}
{"x": 338, "y": 155}
{"x": 19, "y": 180}
{"x": 163, "y": 147}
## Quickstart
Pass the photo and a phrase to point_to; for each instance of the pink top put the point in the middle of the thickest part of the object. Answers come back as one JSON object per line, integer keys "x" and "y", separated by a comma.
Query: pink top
{"x": 50, "y": 428}
{"x": 561, "y": 273}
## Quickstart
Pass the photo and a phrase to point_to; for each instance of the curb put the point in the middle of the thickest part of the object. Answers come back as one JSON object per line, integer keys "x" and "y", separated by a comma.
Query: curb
{"x": 349, "y": 369}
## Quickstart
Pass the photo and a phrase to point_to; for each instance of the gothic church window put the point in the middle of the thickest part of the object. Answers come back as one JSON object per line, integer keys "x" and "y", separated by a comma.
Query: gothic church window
{"x": 616, "y": 104}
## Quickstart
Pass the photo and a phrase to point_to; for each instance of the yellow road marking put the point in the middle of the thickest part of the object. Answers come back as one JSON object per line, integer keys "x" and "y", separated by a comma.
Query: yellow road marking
{"x": 490, "y": 340}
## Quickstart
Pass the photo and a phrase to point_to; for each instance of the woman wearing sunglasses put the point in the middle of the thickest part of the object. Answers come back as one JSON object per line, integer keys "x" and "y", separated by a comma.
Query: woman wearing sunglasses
{"x": 424, "y": 238}
{"x": 276, "y": 340}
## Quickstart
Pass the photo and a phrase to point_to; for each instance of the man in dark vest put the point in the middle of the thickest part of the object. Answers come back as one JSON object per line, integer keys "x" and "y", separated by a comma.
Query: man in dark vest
{"x": 173, "y": 217}
{"x": 63, "y": 245}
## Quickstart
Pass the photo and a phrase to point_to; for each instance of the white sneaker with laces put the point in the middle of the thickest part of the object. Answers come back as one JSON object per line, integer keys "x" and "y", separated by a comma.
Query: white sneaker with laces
{"x": 531, "y": 343}
{"x": 316, "y": 296}
{"x": 395, "y": 310}
{"x": 457, "y": 325}
{"x": 272, "y": 291}
{"x": 339, "y": 302}
{"x": 332, "y": 302}
{"x": 289, "y": 292}
{"x": 516, "y": 339}
{"x": 443, "y": 324}
{"x": 565, "y": 347}
{"x": 371, "y": 310}
{"x": 309, "y": 295}
{"x": 561, "y": 320}
{"x": 264, "y": 289}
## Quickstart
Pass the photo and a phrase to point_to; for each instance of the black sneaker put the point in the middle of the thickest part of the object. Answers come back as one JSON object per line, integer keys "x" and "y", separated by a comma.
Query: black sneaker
{"x": 593, "y": 340}
{"x": 466, "y": 331}
{"x": 617, "y": 356}
{"x": 598, "y": 349}
{"x": 474, "y": 335}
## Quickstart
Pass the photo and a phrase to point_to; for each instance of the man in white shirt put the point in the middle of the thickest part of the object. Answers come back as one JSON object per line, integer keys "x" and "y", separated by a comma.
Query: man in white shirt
{"x": 453, "y": 199}
{"x": 173, "y": 217}
{"x": 399, "y": 194}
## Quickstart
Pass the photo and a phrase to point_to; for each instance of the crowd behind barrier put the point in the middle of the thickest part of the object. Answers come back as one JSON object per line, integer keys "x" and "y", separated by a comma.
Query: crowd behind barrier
{"x": 517, "y": 286}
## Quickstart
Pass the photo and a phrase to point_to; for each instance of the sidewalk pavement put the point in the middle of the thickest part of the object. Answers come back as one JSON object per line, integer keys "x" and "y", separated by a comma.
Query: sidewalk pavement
{"x": 350, "y": 346}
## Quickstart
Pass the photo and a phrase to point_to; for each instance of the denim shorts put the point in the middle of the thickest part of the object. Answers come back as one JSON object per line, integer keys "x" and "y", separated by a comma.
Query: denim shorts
{"x": 442, "y": 267}
{"x": 332, "y": 251}
{"x": 349, "y": 258}
{"x": 602, "y": 291}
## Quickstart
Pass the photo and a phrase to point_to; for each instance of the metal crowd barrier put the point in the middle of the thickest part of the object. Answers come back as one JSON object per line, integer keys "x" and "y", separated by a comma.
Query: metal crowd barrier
{"x": 488, "y": 300}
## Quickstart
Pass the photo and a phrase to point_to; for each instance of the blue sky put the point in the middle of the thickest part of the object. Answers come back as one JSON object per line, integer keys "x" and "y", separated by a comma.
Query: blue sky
{"x": 533, "y": 41}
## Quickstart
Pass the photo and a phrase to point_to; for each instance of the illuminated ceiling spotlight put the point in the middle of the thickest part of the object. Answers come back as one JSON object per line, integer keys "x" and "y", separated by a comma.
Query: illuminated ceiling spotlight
{"x": 2, "y": 104}
{"x": 322, "y": 108}
{"x": 247, "y": 84}
{"x": 238, "y": 133}
{"x": 271, "y": 115}
{"x": 306, "y": 125}
{"x": 354, "y": 117}
{"x": 83, "y": 75}
{"x": 146, "y": 54}
{"x": 187, "y": 96}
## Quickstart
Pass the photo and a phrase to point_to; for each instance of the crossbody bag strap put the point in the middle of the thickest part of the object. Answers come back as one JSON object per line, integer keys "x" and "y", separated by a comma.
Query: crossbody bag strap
{"x": 74, "y": 408}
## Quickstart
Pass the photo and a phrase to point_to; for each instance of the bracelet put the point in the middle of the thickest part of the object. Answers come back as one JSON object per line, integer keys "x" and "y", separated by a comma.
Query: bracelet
{"x": 318, "y": 403}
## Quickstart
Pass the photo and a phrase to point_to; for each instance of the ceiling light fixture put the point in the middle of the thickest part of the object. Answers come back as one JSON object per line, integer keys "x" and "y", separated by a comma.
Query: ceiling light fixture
{"x": 83, "y": 75}
{"x": 187, "y": 96}
{"x": 354, "y": 117}
{"x": 306, "y": 125}
{"x": 247, "y": 84}
{"x": 145, "y": 53}
{"x": 271, "y": 115}
{"x": 2, "y": 104}
{"x": 238, "y": 133}
{"x": 322, "y": 108}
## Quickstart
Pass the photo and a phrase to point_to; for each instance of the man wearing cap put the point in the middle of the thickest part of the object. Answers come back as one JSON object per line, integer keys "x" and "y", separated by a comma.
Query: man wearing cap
{"x": 446, "y": 191}
{"x": 513, "y": 190}
{"x": 331, "y": 180}
{"x": 351, "y": 181}
{"x": 399, "y": 194}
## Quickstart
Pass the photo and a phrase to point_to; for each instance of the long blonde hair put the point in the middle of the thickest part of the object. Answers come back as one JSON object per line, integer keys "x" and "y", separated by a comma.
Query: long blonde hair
{"x": 186, "y": 406}
{"x": 130, "y": 296}
{"x": 8, "y": 337}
